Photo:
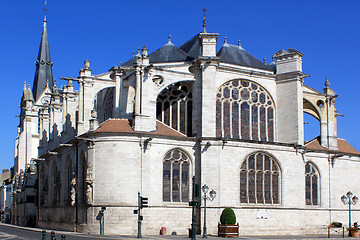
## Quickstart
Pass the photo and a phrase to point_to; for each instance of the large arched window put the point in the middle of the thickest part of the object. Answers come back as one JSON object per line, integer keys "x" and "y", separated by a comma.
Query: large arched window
{"x": 311, "y": 184}
{"x": 176, "y": 176}
{"x": 260, "y": 180}
{"x": 244, "y": 110}
{"x": 174, "y": 107}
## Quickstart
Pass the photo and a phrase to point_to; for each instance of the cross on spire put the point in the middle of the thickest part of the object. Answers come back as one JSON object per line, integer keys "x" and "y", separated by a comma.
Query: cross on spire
{"x": 45, "y": 8}
{"x": 204, "y": 21}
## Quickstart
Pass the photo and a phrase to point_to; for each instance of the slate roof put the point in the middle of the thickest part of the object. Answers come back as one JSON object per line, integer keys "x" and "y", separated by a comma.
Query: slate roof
{"x": 191, "y": 50}
{"x": 124, "y": 126}
{"x": 168, "y": 53}
{"x": 343, "y": 146}
{"x": 238, "y": 56}
{"x": 192, "y": 47}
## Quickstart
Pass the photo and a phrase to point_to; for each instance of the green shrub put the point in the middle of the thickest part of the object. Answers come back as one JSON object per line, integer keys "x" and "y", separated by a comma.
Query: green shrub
{"x": 228, "y": 216}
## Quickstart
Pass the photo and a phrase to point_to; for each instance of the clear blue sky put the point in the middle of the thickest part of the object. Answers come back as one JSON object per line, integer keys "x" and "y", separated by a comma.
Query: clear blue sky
{"x": 107, "y": 31}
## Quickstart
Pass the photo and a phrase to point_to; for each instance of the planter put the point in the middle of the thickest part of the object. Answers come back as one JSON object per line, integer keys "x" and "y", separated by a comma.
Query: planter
{"x": 228, "y": 230}
{"x": 355, "y": 233}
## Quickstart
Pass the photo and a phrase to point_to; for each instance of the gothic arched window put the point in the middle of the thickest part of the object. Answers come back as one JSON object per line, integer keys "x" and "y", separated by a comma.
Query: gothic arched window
{"x": 244, "y": 110}
{"x": 260, "y": 180}
{"x": 56, "y": 184}
{"x": 109, "y": 103}
{"x": 68, "y": 179}
{"x": 311, "y": 184}
{"x": 174, "y": 107}
{"x": 176, "y": 176}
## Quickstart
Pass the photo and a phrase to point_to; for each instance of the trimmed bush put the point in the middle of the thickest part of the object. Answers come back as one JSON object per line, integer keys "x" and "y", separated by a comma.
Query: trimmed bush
{"x": 228, "y": 216}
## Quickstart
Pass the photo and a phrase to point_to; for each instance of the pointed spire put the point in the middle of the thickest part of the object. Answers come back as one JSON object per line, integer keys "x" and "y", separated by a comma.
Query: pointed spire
{"x": 43, "y": 71}
{"x": 204, "y": 21}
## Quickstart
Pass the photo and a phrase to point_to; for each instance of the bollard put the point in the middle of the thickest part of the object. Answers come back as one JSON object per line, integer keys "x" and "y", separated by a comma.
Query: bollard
{"x": 43, "y": 234}
{"x": 52, "y": 234}
{"x": 63, "y": 237}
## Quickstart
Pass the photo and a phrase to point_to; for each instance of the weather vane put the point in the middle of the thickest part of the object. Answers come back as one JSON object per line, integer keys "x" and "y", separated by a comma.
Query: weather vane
{"x": 204, "y": 21}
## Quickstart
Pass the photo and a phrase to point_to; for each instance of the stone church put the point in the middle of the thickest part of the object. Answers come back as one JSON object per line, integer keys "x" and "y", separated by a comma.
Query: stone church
{"x": 162, "y": 117}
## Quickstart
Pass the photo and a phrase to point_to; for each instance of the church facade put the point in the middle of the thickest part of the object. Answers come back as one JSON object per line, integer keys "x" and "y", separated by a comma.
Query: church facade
{"x": 151, "y": 124}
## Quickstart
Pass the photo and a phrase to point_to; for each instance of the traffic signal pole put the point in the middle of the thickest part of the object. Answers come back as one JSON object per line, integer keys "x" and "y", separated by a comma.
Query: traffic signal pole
{"x": 142, "y": 203}
{"x": 139, "y": 216}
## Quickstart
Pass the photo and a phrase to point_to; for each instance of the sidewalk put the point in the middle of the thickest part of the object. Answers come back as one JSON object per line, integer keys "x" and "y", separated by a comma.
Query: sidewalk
{"x": 74, "y": 235}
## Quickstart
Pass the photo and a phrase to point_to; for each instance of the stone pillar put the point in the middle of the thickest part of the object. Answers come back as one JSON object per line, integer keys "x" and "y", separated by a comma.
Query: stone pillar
{"x": 289, "y": 80}
{"x": 208, "y": 63}
{"x": 137, "y": 91}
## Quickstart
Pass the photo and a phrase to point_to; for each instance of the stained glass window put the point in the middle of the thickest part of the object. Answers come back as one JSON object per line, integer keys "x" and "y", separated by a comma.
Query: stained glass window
{"x": 260, "y": 180}
{"x": 244, "y": 110}
{"x": 176, "y": 176}
{"x": 109, "y": 103}
{"x": 311, "y": 184}
{"x": 174, "y": 107}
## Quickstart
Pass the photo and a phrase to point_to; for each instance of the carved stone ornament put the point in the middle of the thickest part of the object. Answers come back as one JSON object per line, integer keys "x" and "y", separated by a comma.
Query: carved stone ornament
{"x": 72, "y": 192}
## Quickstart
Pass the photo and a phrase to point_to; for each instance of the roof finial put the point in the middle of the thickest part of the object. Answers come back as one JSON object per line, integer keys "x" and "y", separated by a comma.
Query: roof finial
{"x": 225, "y": 40}
{"x": 169, "y": 38}
{"x": 264, "y": 60}
{"x": 204, "y": 21}
{"x": 239, "y": 43}
{"x": 133, "y": 54}
{"x": 327, "y": 83}
{"x": 24, "y": 85}
{"x": 45, "y": 10}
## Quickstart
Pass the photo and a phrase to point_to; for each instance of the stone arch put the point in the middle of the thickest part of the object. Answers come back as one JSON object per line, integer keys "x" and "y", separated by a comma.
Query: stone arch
{"x": 245, "y": 110}
{"x": 104, "y": 103}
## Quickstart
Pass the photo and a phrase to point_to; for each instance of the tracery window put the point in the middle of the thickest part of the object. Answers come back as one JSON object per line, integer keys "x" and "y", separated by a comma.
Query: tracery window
{"x": 260, "y": 180}
{"x": 244, "y": 110}
{"x": 174, "y": 107}
{"x": 109, "y": 103}
{"x": 311, "y": 184}
{"x": 176, "y": 176}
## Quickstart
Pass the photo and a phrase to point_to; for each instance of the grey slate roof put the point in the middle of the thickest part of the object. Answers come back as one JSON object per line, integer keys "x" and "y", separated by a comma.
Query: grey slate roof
{"x": 192, "y": 47}
{"x": 191, "y": 50}
{"x": 237, "y": 55}
{"x": 43, "y": 71}
{"x": 168, "y": 53}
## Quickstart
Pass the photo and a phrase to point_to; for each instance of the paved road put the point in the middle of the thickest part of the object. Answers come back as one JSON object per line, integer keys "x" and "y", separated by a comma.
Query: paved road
{"x": 10, "y": 232}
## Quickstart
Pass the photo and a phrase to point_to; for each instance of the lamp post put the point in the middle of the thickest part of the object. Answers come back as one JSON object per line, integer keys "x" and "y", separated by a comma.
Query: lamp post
{"x": 212, "y": 196}
{"x": 349, "y": 199}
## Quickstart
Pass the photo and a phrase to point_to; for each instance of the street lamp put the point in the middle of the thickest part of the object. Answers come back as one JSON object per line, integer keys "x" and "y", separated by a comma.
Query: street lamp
{"x": 349, "y": 199}
{"x": 212, "y": 196}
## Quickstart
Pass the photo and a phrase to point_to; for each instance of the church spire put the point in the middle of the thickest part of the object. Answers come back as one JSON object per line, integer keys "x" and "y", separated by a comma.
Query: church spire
{"x": 43, "y": 73}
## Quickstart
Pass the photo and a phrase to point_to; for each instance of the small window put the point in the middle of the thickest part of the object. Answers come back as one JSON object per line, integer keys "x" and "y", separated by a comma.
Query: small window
{"x": 311, "y": 184}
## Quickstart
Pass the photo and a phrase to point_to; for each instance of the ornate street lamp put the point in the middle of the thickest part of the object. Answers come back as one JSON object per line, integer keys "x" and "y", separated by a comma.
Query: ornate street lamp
{"x": 212, "y": 196}
{"x": 349, "y": 199}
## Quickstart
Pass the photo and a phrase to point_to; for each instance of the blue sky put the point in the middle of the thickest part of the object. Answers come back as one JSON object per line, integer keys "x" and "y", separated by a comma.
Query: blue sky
{"x": 107, "y": 31}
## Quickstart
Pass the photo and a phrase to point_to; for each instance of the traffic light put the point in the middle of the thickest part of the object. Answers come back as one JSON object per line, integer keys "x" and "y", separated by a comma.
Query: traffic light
{"x": 144, "y": 202}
